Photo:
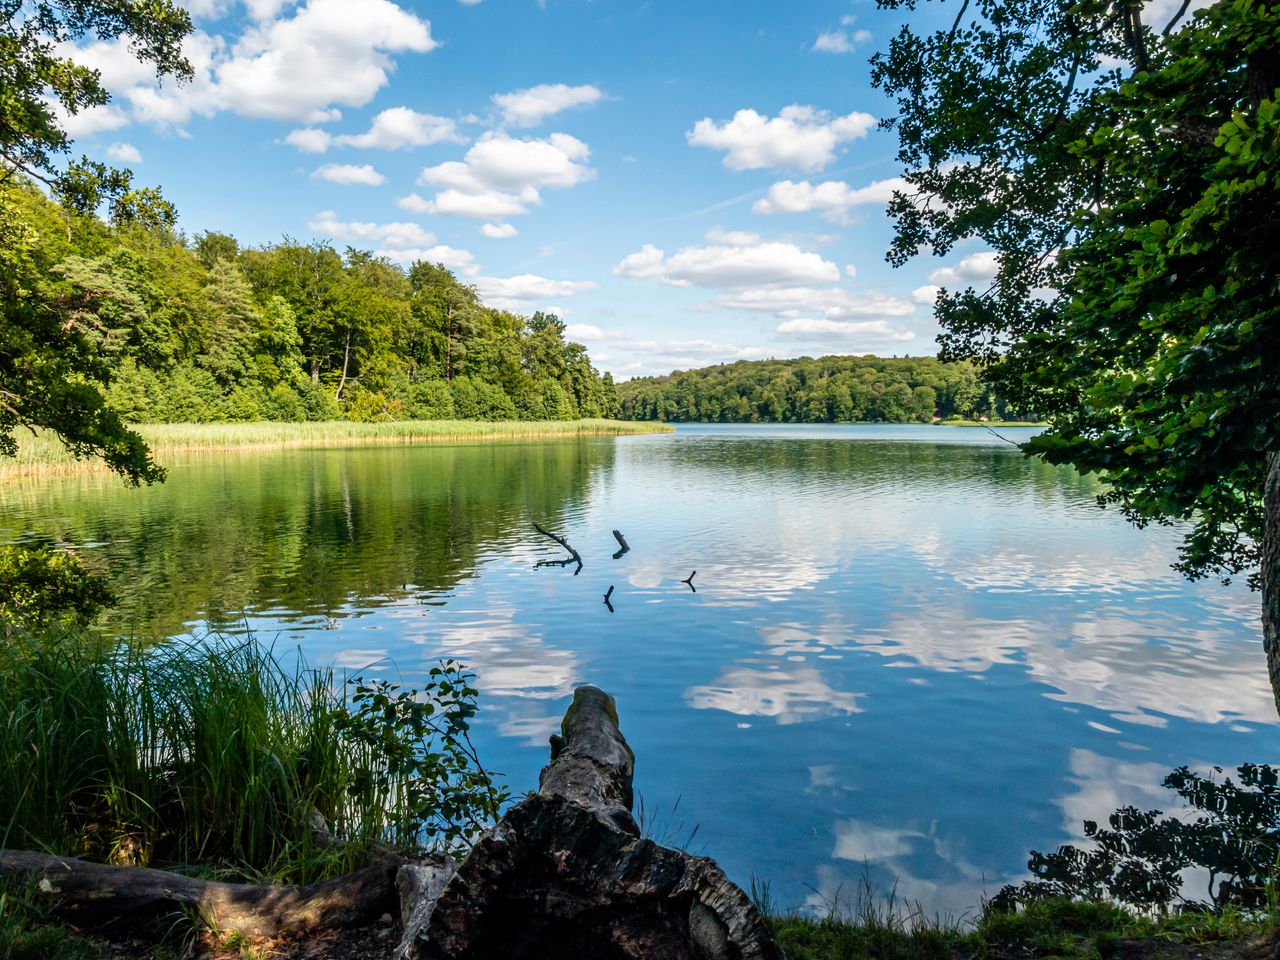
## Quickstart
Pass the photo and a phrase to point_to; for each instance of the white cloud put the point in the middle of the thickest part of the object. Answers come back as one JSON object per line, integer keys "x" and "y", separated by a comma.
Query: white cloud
{"x": 799, "y": 136}
{"x": 459, "y": 261}
{"x": 757, "y": 265}
{"x": 517, "y": 293}
{"x": 926, "y": 295}
{"x": 486, "y": 205}
{"x": 328, "y": 52}
{"x": 863, "y": 332}
{"x": 584, "y": 332}
{"x": 831, "y": 303}
{"x": 833, "y": 197}
{"x": 498, "y": 231}
{"x": 291, "y": 62}
{"x": 401, "y": 127}
{"x": 732, "y": 238}
{"x": 393, "y": 236}
{"x": 124, "y": 153}
{"x": 502, "y": 176}
{"x": 531, "y": 106}
{"x": 349, "y": 174}
{"x": 309, "y": 139}
{"x": 91, "y": 120}
{"x": 840, "y": 41}
{"x": 975, "y": 268}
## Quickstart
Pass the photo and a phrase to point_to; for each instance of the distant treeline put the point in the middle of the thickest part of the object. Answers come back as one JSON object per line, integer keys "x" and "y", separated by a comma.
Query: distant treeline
{"x": 826, "y": 390}
{"x": 202, "y": 330}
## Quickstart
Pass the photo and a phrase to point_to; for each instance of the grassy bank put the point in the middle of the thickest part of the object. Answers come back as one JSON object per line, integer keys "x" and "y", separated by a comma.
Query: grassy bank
{"x": 218, "y": 755}
{"x": 992, "y": 424}
{"x": 44, "y": 453}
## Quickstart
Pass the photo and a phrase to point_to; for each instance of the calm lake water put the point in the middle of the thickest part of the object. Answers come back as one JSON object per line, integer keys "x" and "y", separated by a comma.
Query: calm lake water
{"x": 911, "y": 656}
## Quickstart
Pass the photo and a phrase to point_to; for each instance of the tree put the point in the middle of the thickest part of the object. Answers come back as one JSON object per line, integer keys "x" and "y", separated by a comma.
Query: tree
{"x": 1126, "y": 175}
{"x": 50, "y": 373}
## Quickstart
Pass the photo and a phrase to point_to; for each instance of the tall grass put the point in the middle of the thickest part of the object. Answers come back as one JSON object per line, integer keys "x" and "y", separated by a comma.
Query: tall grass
{"x": 44, "y": 453}
{"x": 195, "y": 752}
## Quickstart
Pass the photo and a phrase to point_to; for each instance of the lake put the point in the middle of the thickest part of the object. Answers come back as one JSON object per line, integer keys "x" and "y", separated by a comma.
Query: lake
{"x": 908, "y": 654}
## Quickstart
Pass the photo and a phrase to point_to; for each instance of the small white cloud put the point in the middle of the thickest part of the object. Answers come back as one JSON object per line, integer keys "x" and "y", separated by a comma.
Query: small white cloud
{"x": 799, "y": 136}
{"x": 533, "y": 105}
{"x": 830, "y": 303}
{"x": 975, "y": 268}
{"x": 851, "y": 271}
{"x": 583, "y": 332}
{"x": 349, "y": 174}
{"x": 502, "y": 176}
{"x": 516, "y": 293}
{"x": 498, "y": 231}
{"x": 926, "y": 295}
{"x": 760, "y": 264}
{"x": 833, "y": 198}
{"x": 124, "y": 153}
{"x": 309, "y": 139}
{"x": 865, "y": 332}
{"x": 324, "y": 116}
{"x": 91, "y": 120}
{"x": 459, "y": 261}
{"x": 833, "y": 41}
{"x": 401, "y": 127}
{"x": 394, "y": 236}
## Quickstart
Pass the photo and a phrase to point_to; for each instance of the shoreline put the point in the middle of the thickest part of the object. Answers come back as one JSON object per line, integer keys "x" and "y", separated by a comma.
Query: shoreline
{"x": 44, "y": 455}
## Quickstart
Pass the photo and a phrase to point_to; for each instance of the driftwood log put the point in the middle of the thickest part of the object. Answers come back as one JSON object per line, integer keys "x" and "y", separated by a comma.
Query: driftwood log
{"x": 96, "y": 895}
{"x": 566, "y": 873}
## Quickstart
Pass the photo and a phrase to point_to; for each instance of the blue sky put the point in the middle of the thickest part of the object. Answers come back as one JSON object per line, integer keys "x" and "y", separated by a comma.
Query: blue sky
{"x": 684, "y": 182}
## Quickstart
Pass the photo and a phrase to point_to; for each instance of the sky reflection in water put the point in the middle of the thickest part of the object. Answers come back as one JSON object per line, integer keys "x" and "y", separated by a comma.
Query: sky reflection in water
{"x": 912, "y": 654}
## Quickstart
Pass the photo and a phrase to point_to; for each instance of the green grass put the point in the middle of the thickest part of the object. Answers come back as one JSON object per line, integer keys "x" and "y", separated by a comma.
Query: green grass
{"x": 881, "y": 929}
{"x": 993, "y": 424}
{"x": 190, "y": 753}
{"x": 44, "y": 453}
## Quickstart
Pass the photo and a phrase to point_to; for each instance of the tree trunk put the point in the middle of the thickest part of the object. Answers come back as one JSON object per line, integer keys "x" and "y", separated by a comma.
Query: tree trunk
{"x": 1270, "y": 569}
{"x": 566, "y": 874}
{"x": 346, "y": 359}
{"x": 95, "y": 895}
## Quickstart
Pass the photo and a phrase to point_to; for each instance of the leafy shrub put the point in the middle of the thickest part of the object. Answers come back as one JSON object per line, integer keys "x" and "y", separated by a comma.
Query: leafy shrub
{"x": 1139, "y": 858}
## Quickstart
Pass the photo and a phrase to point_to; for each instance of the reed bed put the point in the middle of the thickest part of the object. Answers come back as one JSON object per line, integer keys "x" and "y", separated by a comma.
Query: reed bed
{"x": 43, "y": 453}
{"x": 210, "y": 753}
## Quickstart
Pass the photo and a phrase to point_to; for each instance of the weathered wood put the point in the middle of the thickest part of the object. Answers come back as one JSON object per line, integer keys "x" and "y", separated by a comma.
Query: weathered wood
{"x": 95, "y": 894}
{"x": 623, "y": 546}
{"x": 573, "y": 554}
{"x": 566, "y": 874}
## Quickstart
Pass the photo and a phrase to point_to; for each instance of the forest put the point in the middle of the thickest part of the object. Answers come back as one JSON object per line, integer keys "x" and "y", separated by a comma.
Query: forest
{"x": 200, "y": 330}
{"x": 833, "y": 389}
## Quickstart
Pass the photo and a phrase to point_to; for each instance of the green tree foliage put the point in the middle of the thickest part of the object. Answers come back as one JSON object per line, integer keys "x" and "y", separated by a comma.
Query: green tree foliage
{"x": 826, "y": 390}
{"x": 206, "y": 331}
{"x": 58, "y": 312}
{"x": 1126, "y": 174}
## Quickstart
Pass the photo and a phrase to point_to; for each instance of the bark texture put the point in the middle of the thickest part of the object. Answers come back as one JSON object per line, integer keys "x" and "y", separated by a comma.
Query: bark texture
{"x": 96, "y": 895}
{"x": 567, "y": 874}
{"x": 1270, "y": 570}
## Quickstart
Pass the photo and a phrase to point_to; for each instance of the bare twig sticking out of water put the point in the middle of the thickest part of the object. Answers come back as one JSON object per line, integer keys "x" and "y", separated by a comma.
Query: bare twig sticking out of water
{"x": 573, "y": 554}
{"x": 622, "y": 544}
{"x": 1000, "y": 436}
{"x": 689, "y": 581}
{"x": 607, "y": 594}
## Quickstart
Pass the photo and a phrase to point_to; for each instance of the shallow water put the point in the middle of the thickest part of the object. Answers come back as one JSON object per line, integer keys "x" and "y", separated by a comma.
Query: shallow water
{"x": 911, "y": 655}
